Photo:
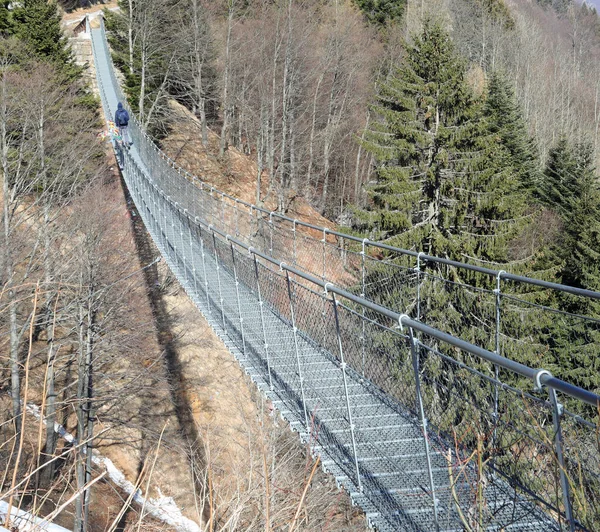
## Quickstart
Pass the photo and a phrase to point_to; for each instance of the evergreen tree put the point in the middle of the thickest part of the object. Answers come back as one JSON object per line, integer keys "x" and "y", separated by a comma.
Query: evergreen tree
{"x": 37, "y": 22}
{"x": 506, "y": 121}
{"x": 445, "y": 184}
{"x": 582, "y": 224}
{"x": 572, "y": 191}
{"x": 557, "y": 190}
{"x": 379, "y": 12}
{"x": 5, "y": 24}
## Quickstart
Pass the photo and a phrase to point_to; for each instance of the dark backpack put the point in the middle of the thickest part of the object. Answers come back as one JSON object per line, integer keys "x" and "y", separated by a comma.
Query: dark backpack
{"x": 122, "y": 117}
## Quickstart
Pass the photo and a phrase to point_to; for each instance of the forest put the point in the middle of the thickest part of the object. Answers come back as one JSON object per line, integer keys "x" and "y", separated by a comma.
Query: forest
{"x": 464, "y": 129}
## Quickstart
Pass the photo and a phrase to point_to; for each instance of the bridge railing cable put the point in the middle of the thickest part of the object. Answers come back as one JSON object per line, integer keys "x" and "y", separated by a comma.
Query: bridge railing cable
{"x": 484, "y": 441}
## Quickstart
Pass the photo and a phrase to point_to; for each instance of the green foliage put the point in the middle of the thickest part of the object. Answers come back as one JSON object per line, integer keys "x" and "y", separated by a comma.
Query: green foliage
{"x": 5, "y": 23}
{"x": 37, "y": 22}
{"x": 380, "y": 12}
{"x": 445, "y": 182}
{"x": 571, "y": 190}
{"x": 498, "y": 11}
{"x": 560, "y": 6}
{"x": 582, "y": 260}
{"x": 558, "y": 187}
{"x": 506, "y": 121}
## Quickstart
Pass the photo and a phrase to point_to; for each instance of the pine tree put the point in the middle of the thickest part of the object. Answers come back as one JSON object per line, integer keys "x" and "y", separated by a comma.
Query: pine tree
{"x": 582, "y": 224}
{"x": 557, "y": 190}
{"x": 506, "y": 121}
{"x": 445, "y": 184}
{"x": 380, "y": 12}
{"x": 37, "y": 22}
{"x": 572, "y": 191}
{"x": 5, "y": 24}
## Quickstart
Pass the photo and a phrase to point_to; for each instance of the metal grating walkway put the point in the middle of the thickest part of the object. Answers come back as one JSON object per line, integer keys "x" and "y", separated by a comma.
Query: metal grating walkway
{"x": 306, "y": 381}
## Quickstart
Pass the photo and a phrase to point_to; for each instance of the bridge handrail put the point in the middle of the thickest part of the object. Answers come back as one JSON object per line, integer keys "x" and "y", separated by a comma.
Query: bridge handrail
{"x": 537, "y": 376}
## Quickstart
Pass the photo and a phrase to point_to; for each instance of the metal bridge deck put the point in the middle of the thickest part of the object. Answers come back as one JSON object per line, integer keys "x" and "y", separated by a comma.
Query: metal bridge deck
{"x": 396, "y": 492}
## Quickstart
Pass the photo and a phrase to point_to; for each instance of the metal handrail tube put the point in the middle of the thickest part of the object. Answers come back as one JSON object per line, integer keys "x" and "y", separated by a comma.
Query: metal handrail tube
{"x": 403, "y": 320}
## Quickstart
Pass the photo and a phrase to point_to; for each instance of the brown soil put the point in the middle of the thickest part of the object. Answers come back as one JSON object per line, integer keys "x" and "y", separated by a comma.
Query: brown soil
{"x": 78, "y": 14}
{"x": 235, "y": 174}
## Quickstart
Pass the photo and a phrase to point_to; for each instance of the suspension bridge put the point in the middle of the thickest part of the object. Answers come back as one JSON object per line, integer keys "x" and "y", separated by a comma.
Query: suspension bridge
{"x": 426, "y": 429}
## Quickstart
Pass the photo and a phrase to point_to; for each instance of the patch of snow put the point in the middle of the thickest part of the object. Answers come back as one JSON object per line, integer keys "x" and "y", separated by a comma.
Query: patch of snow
{"x": 162, "y": 508}
{"x": 25, "y": 522}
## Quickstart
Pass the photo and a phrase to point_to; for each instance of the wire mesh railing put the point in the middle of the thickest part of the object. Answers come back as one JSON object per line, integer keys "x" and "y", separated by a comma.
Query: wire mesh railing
{"x": 427, "y": 431}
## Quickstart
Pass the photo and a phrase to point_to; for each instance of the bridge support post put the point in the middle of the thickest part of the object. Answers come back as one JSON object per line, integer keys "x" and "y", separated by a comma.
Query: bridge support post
{"x": 218, "y": 268}
{"x": 223, "y": 226}
{"x": 324, "y": 255}
{"x": 557, "y": 411}
{"x": 252, "y": 231}
{"x": 239, "y": 303}
{"x": 418, "y": 272}
{"x": 363, "y": 289}
{"x": 348, "y": 407}
{"x": 414, "y": 349}
{"x": 262, "y": 322}
{"x": 191, "y": 243}
{"x": 297, "y": 349}
{"x": 295, "y": 249}
{"x": 203, "y": 254}
{"x": 202, "y": 200}
{"x": 498, "y": 294}
{"x": 271, "y": 234}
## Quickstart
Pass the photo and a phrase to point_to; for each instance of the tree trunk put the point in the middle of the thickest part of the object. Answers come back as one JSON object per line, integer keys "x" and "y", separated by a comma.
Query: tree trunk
{"x": 225, "y": 98}
{"x": 130, "y": 36}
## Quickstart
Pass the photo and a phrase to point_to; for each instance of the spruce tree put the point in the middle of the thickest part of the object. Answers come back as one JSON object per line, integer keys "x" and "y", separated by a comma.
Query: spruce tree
{"x": 445, "y": 184}
{"x": 582, "y": 224}
{"x": 380, "y": 12}
{"x": 506, "y": 120}
{"x": 571, "y": 190}
{"x": 37, "y": 22}
{"x": 557, "y": 190}
{"x": 5, "y": 24}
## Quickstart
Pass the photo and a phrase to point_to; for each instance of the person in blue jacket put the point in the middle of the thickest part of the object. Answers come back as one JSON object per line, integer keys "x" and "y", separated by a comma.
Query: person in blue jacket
{"x": 122, "y": 122}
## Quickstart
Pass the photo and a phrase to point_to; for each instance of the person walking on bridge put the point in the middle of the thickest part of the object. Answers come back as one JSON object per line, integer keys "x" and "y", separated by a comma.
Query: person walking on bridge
{"x": 122, "y": 122}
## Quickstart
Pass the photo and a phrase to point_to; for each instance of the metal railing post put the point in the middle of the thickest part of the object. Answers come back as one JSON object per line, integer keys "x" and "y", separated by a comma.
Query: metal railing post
{"x": 239, "y": 303}
{"x": 294, "y": 244}
{"x": 324, "y": 254}
{"x": 418, "y": 270}
{"x": 183, "y": 247}
{"x": 218, "y": 268}
{"x": 262, "y": 322}
{"x": 363, "y": 288}
{"x": 223, "y": 226}
{"x": 414, "y": 349}
{"x": 203, "y": 254}
{"x": 237, "y": 219}
{"x": 250, "y": 215}
{"x": 191, "y": 242}
{"x": 557, "y": 411}
{"x": 271, "y": 233}
{"x": 348, "y": 408}
{"x": 498, "y": 294}
{"x": 203, "y": 200}
{"x": 296, "y": 347}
